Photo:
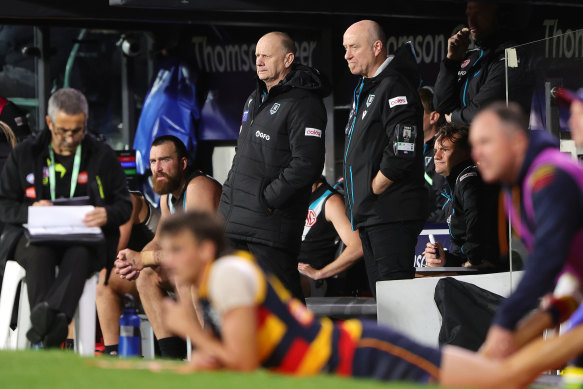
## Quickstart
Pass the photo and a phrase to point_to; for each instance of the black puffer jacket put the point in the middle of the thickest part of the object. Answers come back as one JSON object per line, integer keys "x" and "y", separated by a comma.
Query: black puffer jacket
{"x": 472, "y": 215}
{"x": 280, "y": 153}
{"x": 464, "y": 87}
{"x": 22, "y": 183}
{"x": 385, "y": 132}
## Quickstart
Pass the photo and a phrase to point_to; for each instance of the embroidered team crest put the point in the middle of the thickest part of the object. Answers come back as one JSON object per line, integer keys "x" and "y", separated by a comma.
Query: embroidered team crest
{"x": 465, "y": 63}
{"x": 274, "y": 108}
{"x": 369, "y": 100}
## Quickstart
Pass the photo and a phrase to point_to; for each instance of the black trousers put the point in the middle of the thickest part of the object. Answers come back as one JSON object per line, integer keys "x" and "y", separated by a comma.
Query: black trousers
{"x": 280, "y": 262}
{"x": 389, "y": 250}
{"x": 63, "y": 291}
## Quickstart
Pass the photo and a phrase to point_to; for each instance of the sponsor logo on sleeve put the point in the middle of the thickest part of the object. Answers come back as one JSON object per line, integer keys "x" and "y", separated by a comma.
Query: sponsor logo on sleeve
{"x": 399, "y": 100}
{"x": 19, "y": 121}
{"x": 245, "y": 114}
{"x": 313, "y": 132}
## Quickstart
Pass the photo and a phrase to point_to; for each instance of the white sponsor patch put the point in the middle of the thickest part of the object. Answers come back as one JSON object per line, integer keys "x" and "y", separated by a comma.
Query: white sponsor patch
{"x": 399, "y": 100}
{"x": 313, "y": 132}
{"x": 30, "y": 178}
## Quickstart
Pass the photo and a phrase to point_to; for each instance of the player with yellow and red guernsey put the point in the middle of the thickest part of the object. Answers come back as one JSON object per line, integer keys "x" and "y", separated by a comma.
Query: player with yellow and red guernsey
{"x": 251, "y": 321}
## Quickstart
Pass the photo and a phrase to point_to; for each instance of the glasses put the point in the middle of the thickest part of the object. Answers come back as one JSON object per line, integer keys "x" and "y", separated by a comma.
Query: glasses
{"x": 62, "y": 132}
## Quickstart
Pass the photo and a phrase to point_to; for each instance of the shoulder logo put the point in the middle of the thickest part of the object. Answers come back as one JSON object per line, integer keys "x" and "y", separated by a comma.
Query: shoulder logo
{"x": 399, "y": 100}
{"x": 313, "y": 132}
{"x": 465, "y": 63}
{"x": 245, "y": 114}
{"x": 274, "y": 108}
{"x": 369, "y": 100}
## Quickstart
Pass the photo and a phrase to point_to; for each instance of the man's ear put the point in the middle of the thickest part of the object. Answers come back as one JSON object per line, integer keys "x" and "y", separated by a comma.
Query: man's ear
{"x": 377, "y": 47}
{"x": 288, "y": 60}
{"x": 434, "y": 117}
{"x": 184, "y": 163}
{"x": 49, "y": 121}
{"x": 207, "y": 250}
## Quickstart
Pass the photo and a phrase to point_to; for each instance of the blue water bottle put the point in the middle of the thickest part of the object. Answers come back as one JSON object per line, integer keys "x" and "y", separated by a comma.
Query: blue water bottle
{"x": 129, "y": 329}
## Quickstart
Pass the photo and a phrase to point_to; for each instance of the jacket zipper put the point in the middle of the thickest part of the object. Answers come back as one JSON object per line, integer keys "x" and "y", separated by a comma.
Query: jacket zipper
{"x": 468, "y": 79}
{"x": 356, "y": 99}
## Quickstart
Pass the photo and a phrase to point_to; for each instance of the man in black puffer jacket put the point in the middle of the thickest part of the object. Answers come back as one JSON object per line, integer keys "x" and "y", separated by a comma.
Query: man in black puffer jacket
{"x": 280, "y": 153}
{"x": 469, "y": 80}
{"x": 383, "y": 160}
{"x": 472, "y": 208}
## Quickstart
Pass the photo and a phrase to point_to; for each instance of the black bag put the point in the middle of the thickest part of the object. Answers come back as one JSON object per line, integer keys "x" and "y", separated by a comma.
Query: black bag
{"x": 466, "y": 311}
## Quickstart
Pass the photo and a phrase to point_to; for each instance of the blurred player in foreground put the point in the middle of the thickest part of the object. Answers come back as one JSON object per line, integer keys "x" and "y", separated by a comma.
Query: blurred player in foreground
{"x": 251, "y": 321}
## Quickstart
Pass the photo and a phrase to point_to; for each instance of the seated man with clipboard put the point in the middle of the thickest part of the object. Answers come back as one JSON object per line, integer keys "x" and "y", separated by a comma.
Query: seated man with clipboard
{"x": 63, "y": 162}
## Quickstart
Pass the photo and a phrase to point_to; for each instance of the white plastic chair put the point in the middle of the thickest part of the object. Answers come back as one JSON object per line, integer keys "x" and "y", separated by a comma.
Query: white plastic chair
{"x": 85, "y": 315}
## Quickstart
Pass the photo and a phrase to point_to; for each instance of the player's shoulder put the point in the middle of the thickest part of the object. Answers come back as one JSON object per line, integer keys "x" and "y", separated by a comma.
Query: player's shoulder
{"x": 551, "y": 178}
{"x": 233, "y": 265}
{"x": 201, "y": 180}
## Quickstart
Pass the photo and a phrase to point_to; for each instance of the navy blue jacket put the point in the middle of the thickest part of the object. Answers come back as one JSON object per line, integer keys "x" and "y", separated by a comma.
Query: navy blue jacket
{"x": 558, "y": 212}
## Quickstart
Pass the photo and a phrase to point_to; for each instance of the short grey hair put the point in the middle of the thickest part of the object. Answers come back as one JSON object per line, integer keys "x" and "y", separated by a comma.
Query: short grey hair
{"x": 70, "y": 101}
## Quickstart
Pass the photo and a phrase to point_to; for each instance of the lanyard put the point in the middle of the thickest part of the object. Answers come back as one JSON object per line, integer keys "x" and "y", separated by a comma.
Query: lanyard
{"x": 171, "y": 205}
{"x": 74, "y": 173}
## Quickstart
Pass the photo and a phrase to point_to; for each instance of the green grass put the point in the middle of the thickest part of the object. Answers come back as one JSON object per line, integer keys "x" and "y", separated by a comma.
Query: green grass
{"x": 59, "y": 369}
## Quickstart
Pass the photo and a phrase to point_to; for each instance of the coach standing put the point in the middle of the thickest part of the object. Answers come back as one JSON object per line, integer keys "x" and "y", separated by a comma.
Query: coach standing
{"x": 383, "y": 161}
{"x": 280, "y": 153}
